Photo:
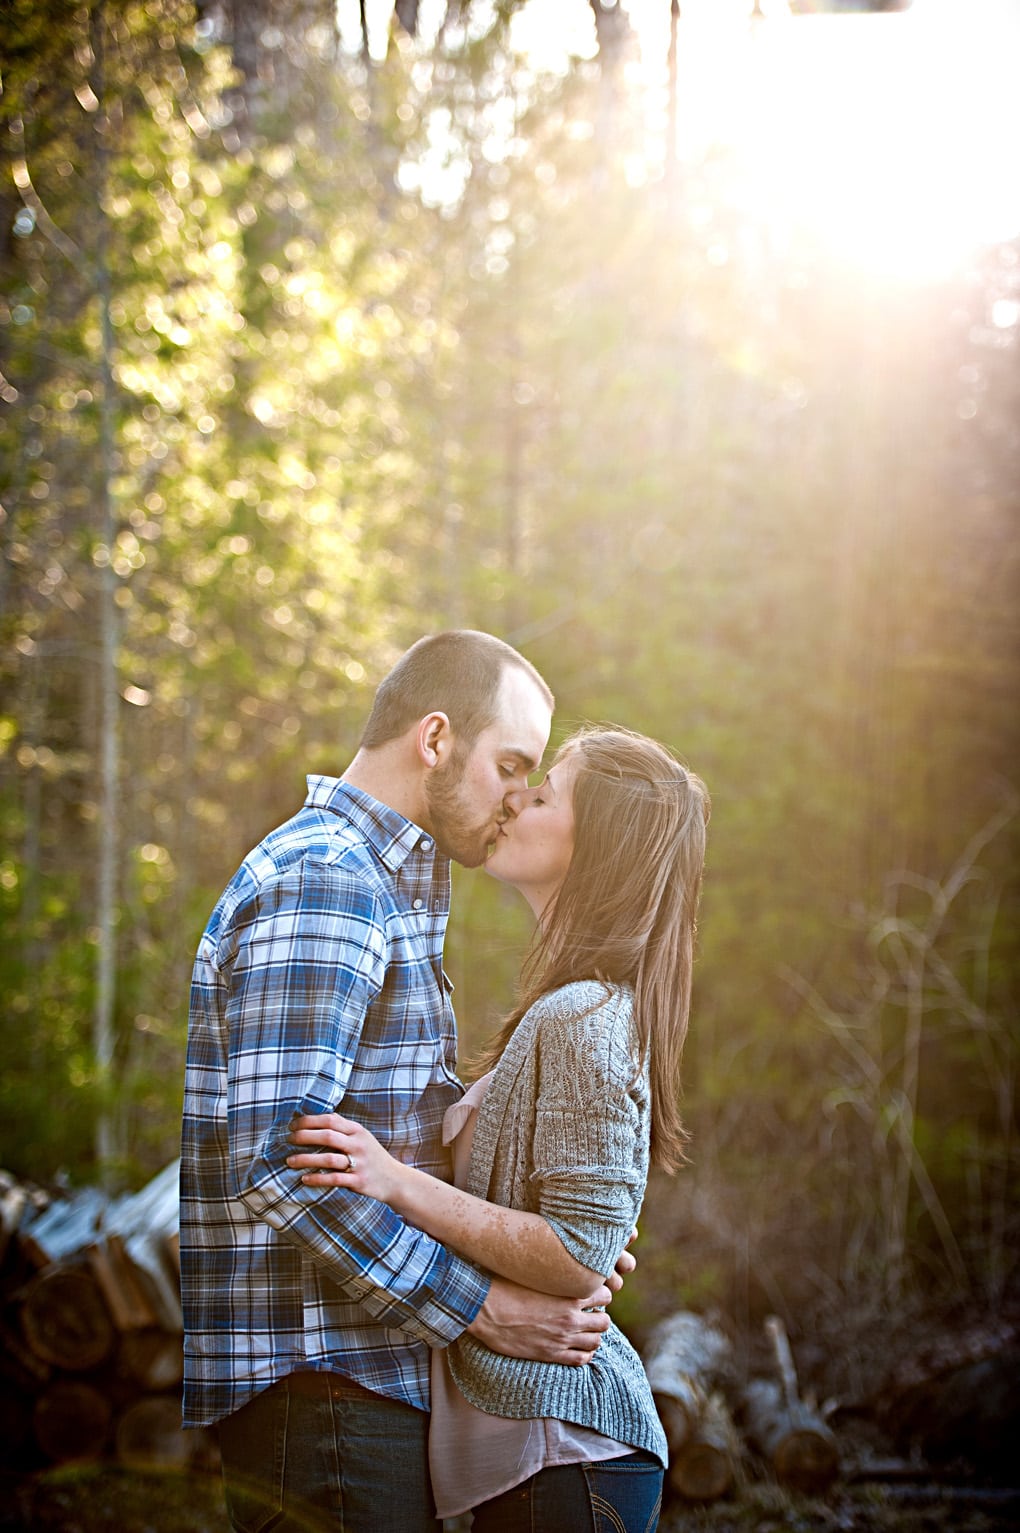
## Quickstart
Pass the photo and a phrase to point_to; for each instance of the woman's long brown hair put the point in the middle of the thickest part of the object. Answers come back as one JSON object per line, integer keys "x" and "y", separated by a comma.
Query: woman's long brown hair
{"x": 627, "y": 909}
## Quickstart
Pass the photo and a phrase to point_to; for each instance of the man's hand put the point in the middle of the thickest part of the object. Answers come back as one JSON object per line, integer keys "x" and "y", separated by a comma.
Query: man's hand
{"x": 518, "y": 1322}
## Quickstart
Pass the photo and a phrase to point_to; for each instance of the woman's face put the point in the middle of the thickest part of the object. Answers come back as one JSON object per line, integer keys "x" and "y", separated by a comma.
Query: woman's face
{"x": 533, "y": 849}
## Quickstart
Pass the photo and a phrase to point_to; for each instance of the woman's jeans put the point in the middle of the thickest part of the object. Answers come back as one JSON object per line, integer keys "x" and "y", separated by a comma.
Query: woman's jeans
{"x": 316, "y": 1453}
{"x": 621, "y": 1495}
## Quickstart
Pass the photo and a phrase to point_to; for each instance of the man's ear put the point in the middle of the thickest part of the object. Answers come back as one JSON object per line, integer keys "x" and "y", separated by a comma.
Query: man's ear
{"x": 434, "y": 740}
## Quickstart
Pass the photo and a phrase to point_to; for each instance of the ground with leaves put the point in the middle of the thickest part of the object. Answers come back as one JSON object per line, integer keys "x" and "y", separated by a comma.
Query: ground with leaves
{"x": 107, "y": 1500}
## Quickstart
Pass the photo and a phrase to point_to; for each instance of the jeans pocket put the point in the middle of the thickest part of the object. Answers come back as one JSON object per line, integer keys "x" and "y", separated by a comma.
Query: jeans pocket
{"x": 625, "y": 1493}
{"x": 253, "y": 1447}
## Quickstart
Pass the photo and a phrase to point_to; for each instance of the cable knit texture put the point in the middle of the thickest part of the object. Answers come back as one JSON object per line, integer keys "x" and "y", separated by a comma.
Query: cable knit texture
{"x": 563, "y": 1131}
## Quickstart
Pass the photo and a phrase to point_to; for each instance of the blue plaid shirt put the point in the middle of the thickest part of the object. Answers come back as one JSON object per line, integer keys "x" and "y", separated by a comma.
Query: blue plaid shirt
{"x": 318, "y": 984}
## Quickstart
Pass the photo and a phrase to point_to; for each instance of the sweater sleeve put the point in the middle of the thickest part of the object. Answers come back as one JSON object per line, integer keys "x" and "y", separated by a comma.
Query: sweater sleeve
{"x": 590, "y": 1156}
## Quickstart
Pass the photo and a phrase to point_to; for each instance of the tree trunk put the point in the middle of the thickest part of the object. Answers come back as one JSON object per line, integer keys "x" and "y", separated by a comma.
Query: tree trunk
{"x": 109, "y": 772}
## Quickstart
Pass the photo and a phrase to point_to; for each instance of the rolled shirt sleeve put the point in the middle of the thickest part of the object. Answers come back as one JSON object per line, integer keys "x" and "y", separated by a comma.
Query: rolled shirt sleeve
{"x": 307, "y": 962}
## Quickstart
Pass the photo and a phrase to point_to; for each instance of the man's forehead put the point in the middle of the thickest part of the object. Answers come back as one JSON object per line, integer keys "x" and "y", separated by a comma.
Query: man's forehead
{"x": 523, "y": 718}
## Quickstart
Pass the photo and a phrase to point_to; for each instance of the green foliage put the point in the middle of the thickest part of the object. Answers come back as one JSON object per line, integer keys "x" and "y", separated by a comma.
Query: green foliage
{"x": 731, "y": 502}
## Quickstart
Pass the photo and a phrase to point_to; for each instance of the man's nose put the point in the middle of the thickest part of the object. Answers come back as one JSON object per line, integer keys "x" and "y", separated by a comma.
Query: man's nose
{"x": 515, "y": 800}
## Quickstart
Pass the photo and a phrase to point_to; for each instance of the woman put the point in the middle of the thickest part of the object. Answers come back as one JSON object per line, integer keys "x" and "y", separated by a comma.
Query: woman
{"x": 552, "y": 1146}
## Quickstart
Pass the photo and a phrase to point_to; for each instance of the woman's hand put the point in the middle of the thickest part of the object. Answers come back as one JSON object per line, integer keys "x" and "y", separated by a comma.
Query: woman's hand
{"x": 337, "y": 1152}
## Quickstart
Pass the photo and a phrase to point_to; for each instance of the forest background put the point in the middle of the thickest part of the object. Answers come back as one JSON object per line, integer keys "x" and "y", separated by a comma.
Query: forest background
{"x": 317, "y": 337}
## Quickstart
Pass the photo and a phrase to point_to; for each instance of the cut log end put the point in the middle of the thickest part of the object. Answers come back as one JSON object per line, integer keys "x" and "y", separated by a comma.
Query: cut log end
{"x": 701, "y": 1472}
{"x": 65, "y": 1320}
{"x": 151, "y": 1359}
{"x": 808, "y": 1460}
{"x": 800, "y": 1446}
{"x": 149, "y": 1435}
{"x": 679, "y": 1417}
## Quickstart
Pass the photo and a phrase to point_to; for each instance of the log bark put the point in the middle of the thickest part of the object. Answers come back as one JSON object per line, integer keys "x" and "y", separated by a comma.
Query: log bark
{"x": 63, "y": 1228}
{"x": 91, "y": 1281}
{"x": 787, "y": 1430}
{"x": 118, "y": 1283}
{"x": 65, "y": 1320}
{"x": 116, "y": 1277}
{"x": 685, "y": 1359}
{"x": 139, "y": 1230}
{"x": 159, "y": 1281}
{"x": 705, "y": 1467}
{"x": 154, "y": 1209}
{"x": 20, "y": 1202}
{"x": 686, "y": 1345}
{"x": 71, "y": 1420}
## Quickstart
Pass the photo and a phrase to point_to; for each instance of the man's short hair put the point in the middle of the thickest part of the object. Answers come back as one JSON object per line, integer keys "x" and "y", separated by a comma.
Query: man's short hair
{"x": 457, "y": 673}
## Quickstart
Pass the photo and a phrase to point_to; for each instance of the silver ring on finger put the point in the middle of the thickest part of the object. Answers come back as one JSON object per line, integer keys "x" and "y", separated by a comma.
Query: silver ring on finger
{"x": 351, "y": 1163}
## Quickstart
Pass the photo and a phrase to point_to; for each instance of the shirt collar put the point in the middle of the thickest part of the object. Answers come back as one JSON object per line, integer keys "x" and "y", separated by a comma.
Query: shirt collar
{"x": 392, "y": 837}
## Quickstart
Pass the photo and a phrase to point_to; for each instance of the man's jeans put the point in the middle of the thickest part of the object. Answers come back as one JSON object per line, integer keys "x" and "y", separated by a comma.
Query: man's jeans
{"x": 316, "y": 1453}
{"x": 621, "y": 1495}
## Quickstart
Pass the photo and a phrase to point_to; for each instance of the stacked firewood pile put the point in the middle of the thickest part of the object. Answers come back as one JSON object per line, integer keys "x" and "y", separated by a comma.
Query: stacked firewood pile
{"x": 90, "y": 1326}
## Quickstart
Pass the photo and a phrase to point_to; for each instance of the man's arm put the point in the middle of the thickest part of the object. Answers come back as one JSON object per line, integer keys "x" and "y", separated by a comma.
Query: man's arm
{"x": 309, "y": 958}
{"x": 518, "y": 1322}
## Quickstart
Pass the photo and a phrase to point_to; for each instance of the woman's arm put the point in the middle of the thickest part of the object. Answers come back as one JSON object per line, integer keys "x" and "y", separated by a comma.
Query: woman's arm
{"x": 520, "y": 1246}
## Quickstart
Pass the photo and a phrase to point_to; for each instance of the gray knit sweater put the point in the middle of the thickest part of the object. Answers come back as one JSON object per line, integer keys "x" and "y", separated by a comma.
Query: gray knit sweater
{"x": 563, "y": 1131}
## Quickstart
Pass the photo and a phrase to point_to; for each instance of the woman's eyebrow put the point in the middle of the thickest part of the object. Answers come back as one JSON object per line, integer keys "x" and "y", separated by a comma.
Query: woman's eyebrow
{"x": 549, "y": 782}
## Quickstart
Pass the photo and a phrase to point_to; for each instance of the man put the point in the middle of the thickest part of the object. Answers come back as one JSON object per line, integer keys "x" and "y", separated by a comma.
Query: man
{"x": 319, "y": 983}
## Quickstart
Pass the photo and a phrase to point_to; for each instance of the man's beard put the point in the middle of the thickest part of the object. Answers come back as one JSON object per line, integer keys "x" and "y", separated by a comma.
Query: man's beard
{"x": 456, "y": 837}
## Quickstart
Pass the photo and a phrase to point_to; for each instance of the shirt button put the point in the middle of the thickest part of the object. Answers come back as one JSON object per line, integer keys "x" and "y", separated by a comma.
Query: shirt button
{"x": 418, "y": 904}
{"x": 425, "y": 845}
